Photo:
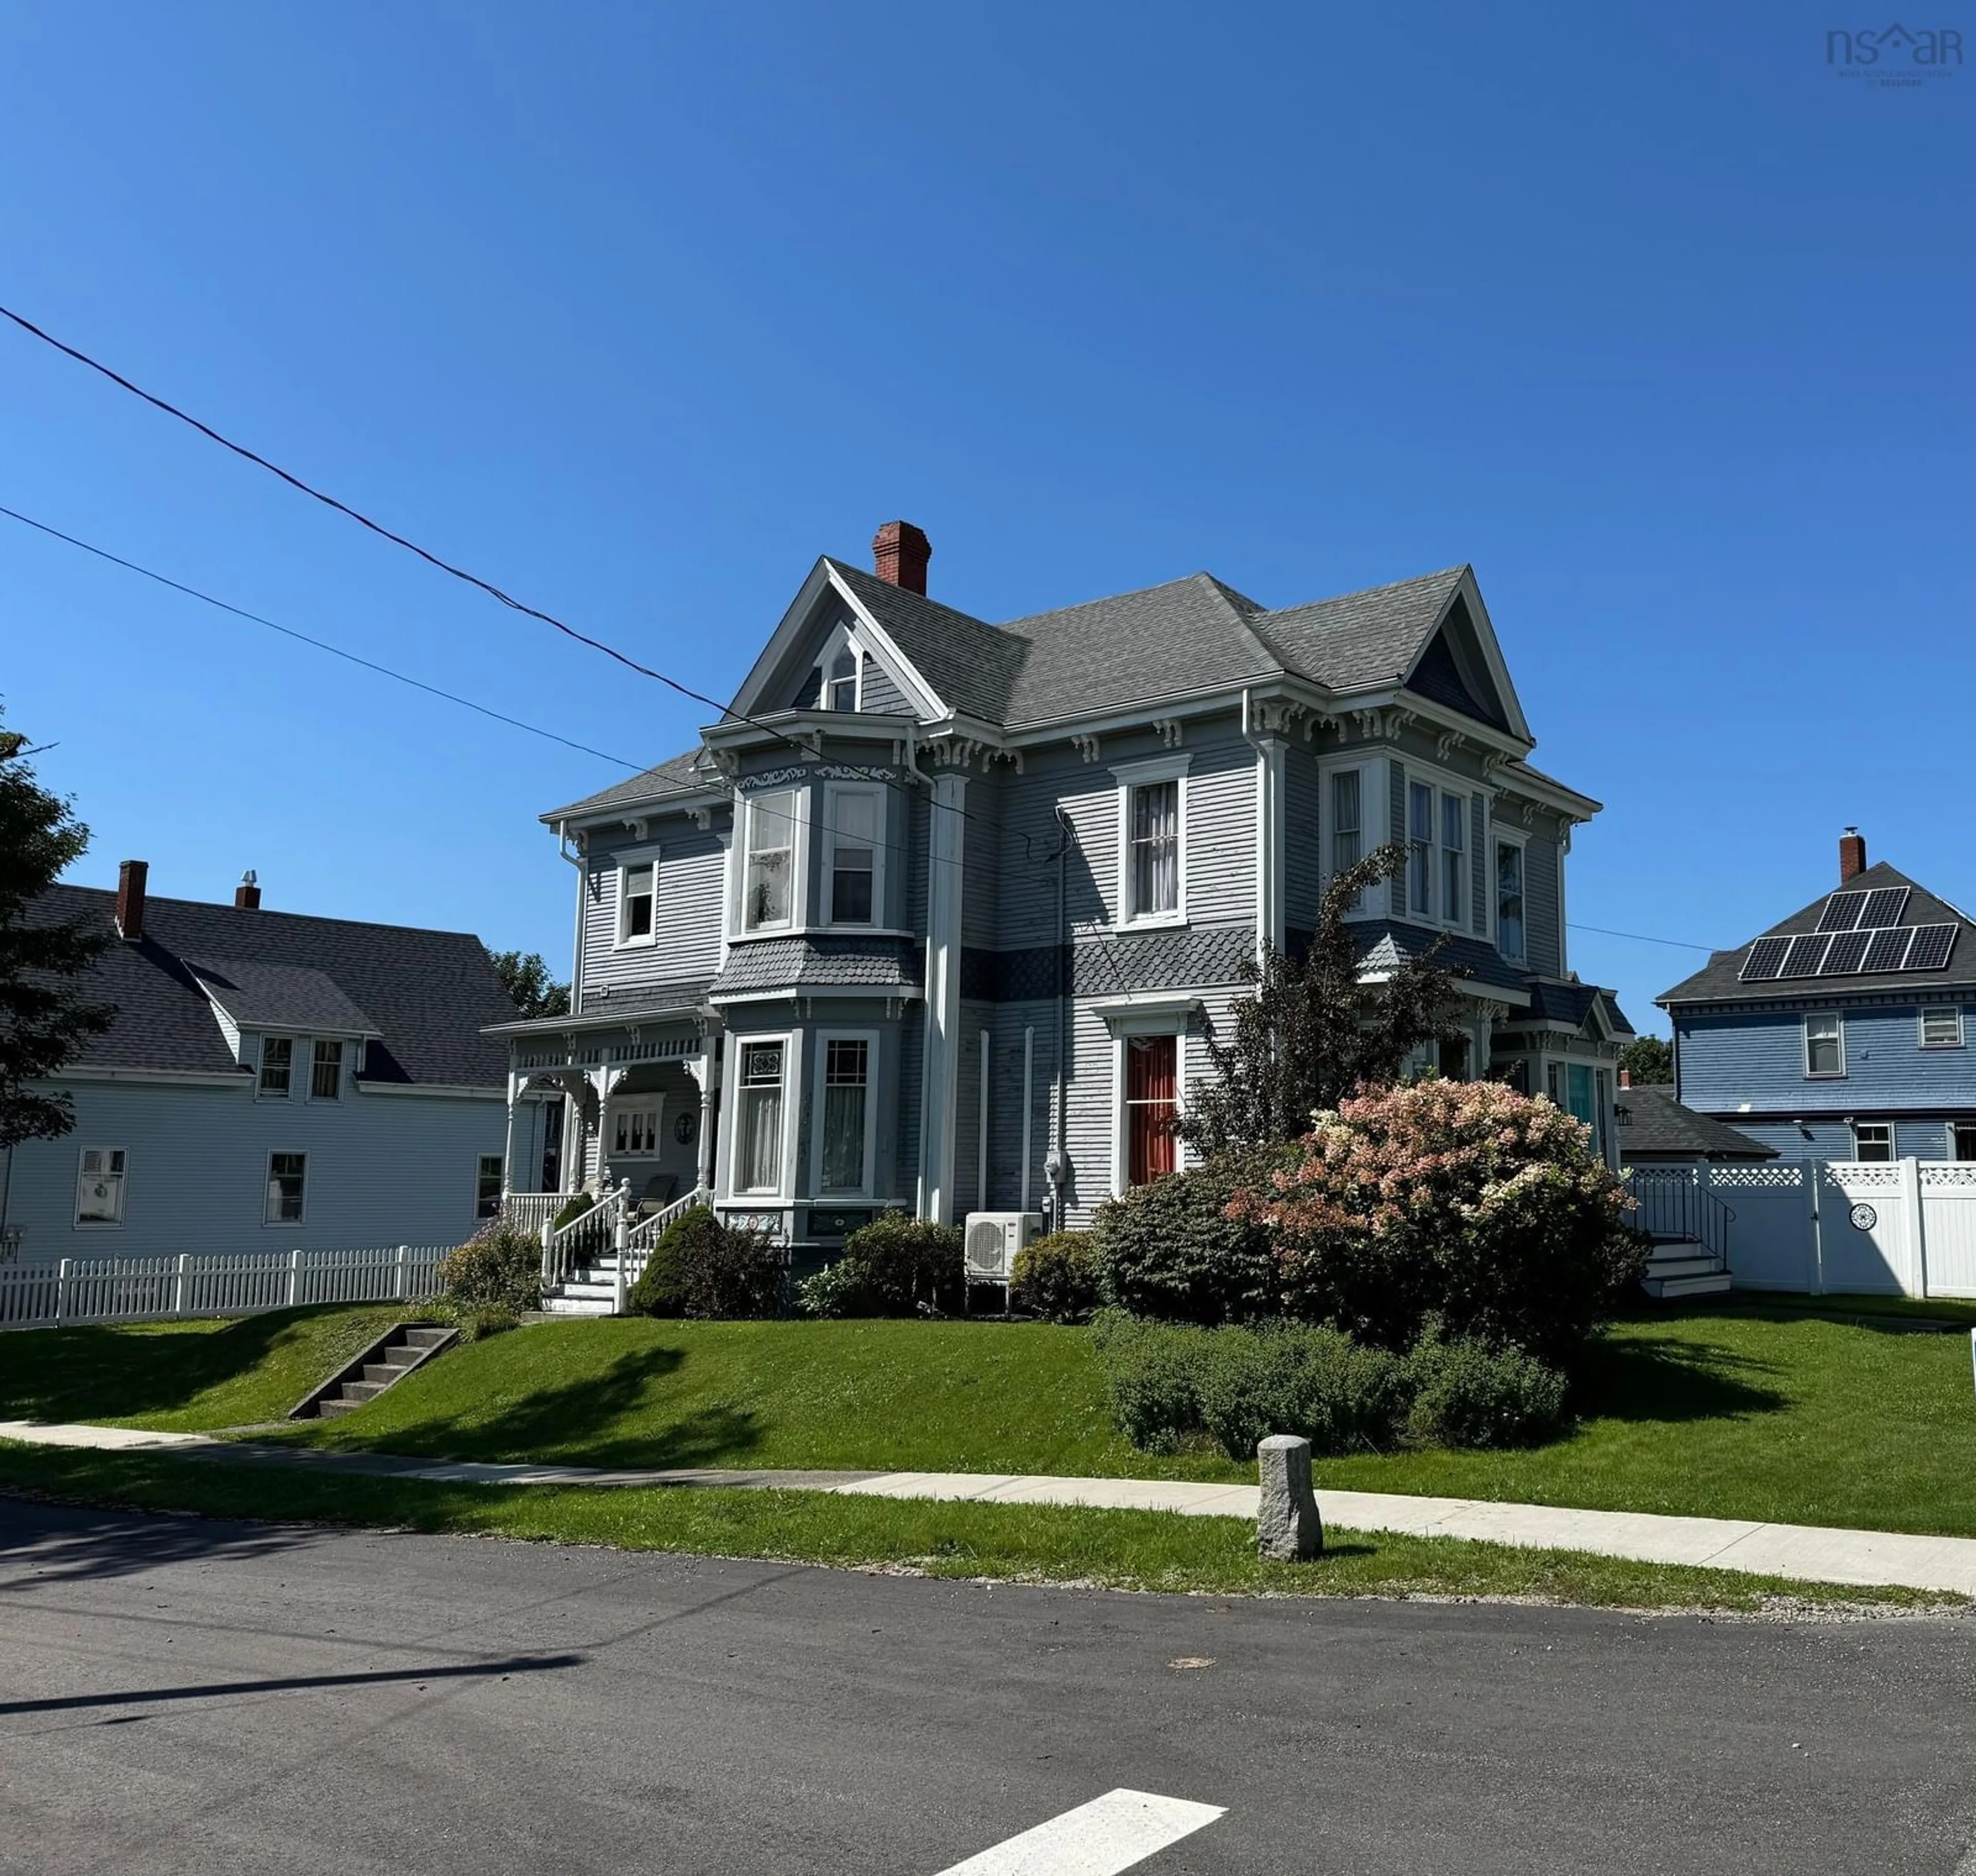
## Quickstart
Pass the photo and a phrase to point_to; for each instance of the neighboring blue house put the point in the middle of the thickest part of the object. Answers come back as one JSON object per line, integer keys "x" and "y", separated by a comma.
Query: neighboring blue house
{"x": 271, "y": 1082}
{"x": 1847, "y": 1032}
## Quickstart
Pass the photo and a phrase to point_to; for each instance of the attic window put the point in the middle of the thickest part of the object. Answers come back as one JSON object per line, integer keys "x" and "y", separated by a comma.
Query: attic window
{"x": 840, "y": 681}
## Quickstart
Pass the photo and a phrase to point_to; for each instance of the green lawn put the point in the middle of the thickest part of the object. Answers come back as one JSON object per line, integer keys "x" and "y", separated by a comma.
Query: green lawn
{"x": 1126, "y": 1550}
{"x": 183, "y": 1377}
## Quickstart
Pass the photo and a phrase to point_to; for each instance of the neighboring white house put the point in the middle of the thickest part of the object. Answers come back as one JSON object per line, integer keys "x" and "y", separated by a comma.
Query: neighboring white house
{"x": 271, "y": 1081}
{"x": 941, "y": 914}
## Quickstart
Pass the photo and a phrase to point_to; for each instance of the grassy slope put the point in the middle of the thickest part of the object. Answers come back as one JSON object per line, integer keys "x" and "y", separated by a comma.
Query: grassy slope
{"x": 183, "y": 1377}
{"x": 1132, "y": 1550}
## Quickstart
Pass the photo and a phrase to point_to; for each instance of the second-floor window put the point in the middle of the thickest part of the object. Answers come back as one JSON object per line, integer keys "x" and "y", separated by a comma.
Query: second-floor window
{"x": 1824, "y": 1044}
{"x": 1509, "y": 900}
{"x": 637, "y": 895}
{"x": 1348, "y": 823}
{"x": 1454, "y": 859}
{"x": 852, "y": 822}
{"x": 326, "y": 1071}
{"x": 1420, "y": 850}
{"x": 1942, "y": 1028}
{"x": 769, "y": 893}
{"x": 278, "y": 1059}
{"x": 1152, "y": 872}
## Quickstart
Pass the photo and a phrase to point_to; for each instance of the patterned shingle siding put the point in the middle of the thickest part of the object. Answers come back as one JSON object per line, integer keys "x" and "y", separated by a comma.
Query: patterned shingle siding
{"x": 1482, "y": 862}
{"x": 1396, "y": 802}
{"x": 1543, "y": 935}
{"x": 822, "y": 961}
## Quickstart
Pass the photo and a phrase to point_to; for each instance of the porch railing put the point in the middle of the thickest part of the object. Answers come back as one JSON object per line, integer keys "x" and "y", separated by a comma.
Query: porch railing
{"x": 529, "y": 1211}
{"x": 1675, "y": 1206}
{"x": 640, "y": 1238}
{"x": 585, "y": 1240}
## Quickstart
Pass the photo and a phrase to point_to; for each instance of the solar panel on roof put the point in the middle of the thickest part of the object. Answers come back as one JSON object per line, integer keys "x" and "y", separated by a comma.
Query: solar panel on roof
{"x": 1842, "y": 912}
{"x": 1888, "y": 949}
{"x": 1766, "y": 959}
{"x": 1884, "y": 905}
{"x": 1848, "y": 953}
{"x": 1931, "y": 945}
{"x": 1805, "y": 955}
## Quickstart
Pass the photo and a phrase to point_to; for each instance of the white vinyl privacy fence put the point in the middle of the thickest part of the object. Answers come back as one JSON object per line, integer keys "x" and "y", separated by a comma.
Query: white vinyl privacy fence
{"x": 1899, "y": 1227}
{"x": 124, "y": 1289}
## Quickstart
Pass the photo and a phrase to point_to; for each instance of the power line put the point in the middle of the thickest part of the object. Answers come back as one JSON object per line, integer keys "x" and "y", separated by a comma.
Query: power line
{"x": 288, "y": 631}
{"x": 1679, "y": 944}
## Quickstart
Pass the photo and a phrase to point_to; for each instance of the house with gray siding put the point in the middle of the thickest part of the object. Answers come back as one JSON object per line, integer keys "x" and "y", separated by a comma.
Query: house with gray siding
{"x": 272, "y": 1081}
{"x": 941, "y": 913}
{"x": 1845, "y": 1031}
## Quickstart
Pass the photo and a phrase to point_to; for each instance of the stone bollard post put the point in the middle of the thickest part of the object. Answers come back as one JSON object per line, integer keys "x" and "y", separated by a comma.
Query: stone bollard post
{"x": 1288, "y": 1528}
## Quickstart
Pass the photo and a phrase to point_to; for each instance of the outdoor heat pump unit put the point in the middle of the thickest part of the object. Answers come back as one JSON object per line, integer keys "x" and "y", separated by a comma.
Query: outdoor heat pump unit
{"x": 993, "y": 1238}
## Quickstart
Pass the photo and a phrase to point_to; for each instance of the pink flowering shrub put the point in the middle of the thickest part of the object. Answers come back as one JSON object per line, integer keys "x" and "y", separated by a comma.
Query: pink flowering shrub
{"x": 1460, "y": 1205}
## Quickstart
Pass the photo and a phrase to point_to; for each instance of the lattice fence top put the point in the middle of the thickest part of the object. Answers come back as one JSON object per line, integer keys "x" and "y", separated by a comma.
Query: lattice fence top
{"x": 1748, "y": 1178}
{"x": 1640, "y": 1176}
{"x": 1951, "y": 1175}
{"x": 1864, "y": 1175}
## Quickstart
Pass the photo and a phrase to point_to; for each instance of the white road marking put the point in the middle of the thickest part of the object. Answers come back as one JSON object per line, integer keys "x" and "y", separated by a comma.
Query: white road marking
{"x": 1101, "y": 1839}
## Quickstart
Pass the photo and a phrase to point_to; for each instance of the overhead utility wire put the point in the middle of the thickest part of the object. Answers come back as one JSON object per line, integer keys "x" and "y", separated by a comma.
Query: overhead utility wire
{"x": 1679, "y": 944}
{"x": 288, "y": 631}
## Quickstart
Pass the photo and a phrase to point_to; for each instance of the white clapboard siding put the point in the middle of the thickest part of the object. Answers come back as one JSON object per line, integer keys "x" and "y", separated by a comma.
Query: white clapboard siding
{"x": 212, "y": 1283}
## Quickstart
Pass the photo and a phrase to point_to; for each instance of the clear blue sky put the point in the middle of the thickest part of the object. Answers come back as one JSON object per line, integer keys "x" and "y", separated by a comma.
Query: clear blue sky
{"x": 1641, "y": 309}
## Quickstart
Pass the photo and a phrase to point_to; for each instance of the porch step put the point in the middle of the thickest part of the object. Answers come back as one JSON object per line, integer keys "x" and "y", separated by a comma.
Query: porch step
{"x": 383, "y": 1365}
{"x": 1669, "y": 1268}
{"x": 576, "y": 1305}
{"x": 1711, "y": 1283}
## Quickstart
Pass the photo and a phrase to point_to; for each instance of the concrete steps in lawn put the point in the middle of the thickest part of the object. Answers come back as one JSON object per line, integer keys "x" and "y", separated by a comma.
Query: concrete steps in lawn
{"x": 383, "y": 1365}
{"x": 590, "y": 1291}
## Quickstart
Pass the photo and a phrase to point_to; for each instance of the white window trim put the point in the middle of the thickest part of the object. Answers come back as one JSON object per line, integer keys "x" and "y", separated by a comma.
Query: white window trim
{"x": 1374, "y": 815}
{"x": 840, "y": 641}
{"x": 1503, "y": 837}
{"x": 1124, "y": 1027}
{"x": 629, "y": 861}
{"x": 80, "y": 1223}
{"x": 1130, "y": 776}
{"x": 1823, "y": 1075}
{"x": 267, "y": 1180}
{"x": 1937, "y": 1009}
{"x": 260, "y": 1066}
{"x": 1446, "y": 782}
{"x": 342, "y": 1069}
{"x": 833, "y": 792}
{"x": 1948, "y": 1139}
{"x": 622, "y": 1103}
{"x": 1886, "y": 1127}
{"x": 819, "y": 1069}
{"x": 792, "y": 1067}
{"x": 798, "y": 920}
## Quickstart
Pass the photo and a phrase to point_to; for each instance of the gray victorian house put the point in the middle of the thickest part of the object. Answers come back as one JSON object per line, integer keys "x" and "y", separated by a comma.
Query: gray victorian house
{"x": 939, "y": 915}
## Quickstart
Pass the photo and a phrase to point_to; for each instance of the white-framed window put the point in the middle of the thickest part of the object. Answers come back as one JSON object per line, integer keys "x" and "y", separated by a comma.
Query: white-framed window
{"x": 1962, "y": 1139}
{"x": 1511, "y": 938}
{"x": 1824, "y": 1044}
{"x": 1152, "y": 841}
{"x": 843, "y": 679}
{"x": 853, "y": 819}
{"x": 1348, "y": 819}
{"x": 768, "y": 882}
{"x": 1873, "y": 1139}
{"x": 278, "y": 1062}
{"x": 1438, "y": 856}
{"x": 99, "y": 1186}
{"x": 634, "y": 1128}
{"x": 488, "y": 1180}
{"x": 326, "y": 1070}
{"x": 1455, "y": 859}
{"x": 637, "y": 901}
{"x": 759, "y": 1156}
{"x": 1420, "y": 850}
{"x": 846, "y": 1114}
{"x": 288, "y": 1188}
{"x": 1942, "y": 1026}
{"x": 1149, "y": 1084}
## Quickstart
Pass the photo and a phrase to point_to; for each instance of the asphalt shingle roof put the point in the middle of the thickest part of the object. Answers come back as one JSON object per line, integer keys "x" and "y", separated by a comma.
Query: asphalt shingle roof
{"x": 676, "y": 775}
{"x": 259, "y": 995}
{"x": 424, "y": 994}
{"x": 1720, "y": 980}
{"x": 1651, "y": 1121}
{"x": 971, "y": 665}
{"x": 1360, "y": 641}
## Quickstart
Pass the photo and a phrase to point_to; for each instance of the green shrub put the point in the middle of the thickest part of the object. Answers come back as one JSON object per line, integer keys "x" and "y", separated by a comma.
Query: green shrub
{"x": 1170, "y": 1250}
{"x": 1340, "y": 1395}
{"x": 1152, "y": 1372}
{"x": 730, "y": 1273}
{"x": 500, "y": 1267}
{"x": 836, "y": 1290}
{"x": 483, "y": 1320}
{"x": 1056, "y": 1277}
{"x": 660, "y": 1289}
{"x": 909, "y": 1266}
{"x": 1468, "y": 1394}
{"x": 578, "y": 1203}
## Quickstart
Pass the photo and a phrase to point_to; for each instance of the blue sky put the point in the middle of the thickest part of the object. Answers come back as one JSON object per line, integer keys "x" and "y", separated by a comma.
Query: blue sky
{"x": 1646, "y": 311}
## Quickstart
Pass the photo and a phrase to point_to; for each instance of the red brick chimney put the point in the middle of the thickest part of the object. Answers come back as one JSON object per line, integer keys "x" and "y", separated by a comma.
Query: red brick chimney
{"x": 1852, "y": 854}
{"x": 899, "y": 553}
{"x": 1626, "y": 1077}
{"x": 130, "y": 877}
{"x": 247, "y": 894}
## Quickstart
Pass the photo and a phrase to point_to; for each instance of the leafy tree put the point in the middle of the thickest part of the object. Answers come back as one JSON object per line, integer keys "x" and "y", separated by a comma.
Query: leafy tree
{"x": 44, "y": 1020}
{"x": 1648, "y": 1061}
{"x": 524, "y": 975}
{"x": 1313, "y": 1033}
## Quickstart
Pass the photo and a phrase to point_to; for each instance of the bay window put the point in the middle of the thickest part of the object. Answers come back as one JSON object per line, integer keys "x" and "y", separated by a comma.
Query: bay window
{"x": 1455, "y": 859}
{"x": 845, "y": 1114}
{"x": 1347, "y": 821}
{"x": 757, "y": 1148}
{"x": 1509, "y": 900}
{"x": 852, "y": 819}
{"x": 1420, "y": 850}
{"x": 768, "y": 890}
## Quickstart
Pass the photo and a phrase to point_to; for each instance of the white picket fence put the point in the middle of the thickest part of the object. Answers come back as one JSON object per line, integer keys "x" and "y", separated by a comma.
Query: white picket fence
{"x": 1896, "y": 1227}
{"x": 212, "y": 1283}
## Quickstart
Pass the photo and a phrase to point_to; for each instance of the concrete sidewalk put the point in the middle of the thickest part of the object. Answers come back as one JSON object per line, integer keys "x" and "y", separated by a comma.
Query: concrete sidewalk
{"x": 1814, "y": 1553}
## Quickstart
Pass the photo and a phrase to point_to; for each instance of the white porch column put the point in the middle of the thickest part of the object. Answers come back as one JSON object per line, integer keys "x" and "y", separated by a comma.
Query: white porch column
{"x": 1270, "y": 856}
{"x": 940, "y": 1083}
{"x": 702, "y": 1068}
{"x": 508, "y": 1147}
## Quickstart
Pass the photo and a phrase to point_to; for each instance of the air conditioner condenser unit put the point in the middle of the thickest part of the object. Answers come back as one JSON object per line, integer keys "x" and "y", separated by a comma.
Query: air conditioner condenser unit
{"x": 993, "y": 1238}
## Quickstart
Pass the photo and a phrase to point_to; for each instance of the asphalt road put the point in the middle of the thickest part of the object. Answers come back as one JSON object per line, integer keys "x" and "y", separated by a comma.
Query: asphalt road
{"x": 182, "y": 1695}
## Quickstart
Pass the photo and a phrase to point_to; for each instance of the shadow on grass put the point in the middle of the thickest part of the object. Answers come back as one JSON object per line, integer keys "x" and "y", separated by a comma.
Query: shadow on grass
{"x": 1665, "y": 1377}
{"x": 103, "y": 1371}
{"x": 582, "y": 1421}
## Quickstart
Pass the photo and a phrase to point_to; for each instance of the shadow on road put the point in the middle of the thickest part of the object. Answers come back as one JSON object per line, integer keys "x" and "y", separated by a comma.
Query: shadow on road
{"x": 41, "y": 1544}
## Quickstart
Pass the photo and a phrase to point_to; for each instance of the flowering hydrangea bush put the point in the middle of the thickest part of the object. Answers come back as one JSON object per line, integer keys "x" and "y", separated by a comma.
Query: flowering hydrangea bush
{"x": 1462, "y": 1203}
